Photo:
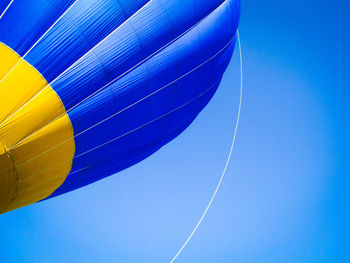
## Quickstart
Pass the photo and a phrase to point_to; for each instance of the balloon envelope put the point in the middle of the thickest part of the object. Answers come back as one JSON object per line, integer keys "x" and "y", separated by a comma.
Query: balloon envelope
{"x": 90, "y": 87}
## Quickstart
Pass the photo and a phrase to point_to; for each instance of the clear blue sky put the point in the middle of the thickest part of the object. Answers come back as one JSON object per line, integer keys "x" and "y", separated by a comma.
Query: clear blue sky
{"x": 286, "y": 195}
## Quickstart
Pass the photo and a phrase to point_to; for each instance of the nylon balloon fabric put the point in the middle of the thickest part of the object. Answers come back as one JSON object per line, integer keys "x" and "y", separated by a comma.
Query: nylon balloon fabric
{"x": 89, "y": 88}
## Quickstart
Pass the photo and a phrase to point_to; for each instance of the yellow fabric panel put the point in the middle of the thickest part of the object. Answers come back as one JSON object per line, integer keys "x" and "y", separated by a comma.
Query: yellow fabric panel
{"x": 8, "y": 60}
{"x": 21, "y": 84}
{"x": 38, "y": 112}
{"x": 36, "y": 134}
{"x": 8, "y": 178}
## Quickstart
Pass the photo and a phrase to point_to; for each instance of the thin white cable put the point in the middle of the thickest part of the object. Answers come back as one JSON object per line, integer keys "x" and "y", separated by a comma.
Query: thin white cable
{"x": 228, "y": 157}
{"x": 7, "y": 7}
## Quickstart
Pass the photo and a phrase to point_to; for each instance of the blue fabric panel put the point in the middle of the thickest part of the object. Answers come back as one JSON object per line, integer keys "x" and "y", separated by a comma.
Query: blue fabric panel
{"x": 143, "y": 34}
{"x": 3, "y": 5}
{"x": 80, "y": 29}
{"x": 27, "y": 20}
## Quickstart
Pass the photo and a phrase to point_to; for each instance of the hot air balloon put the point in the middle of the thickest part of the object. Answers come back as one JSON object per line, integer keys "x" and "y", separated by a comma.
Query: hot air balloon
{"x": 91, "y": 87}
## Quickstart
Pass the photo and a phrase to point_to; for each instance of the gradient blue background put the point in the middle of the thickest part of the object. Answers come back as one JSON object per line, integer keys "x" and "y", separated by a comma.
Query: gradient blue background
{"x": 285, "y": 197}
